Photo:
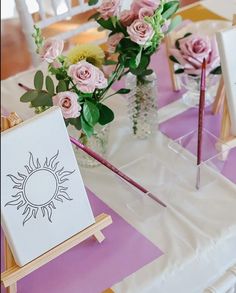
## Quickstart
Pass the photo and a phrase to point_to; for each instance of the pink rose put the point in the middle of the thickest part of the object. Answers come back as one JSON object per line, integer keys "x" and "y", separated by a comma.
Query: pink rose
{"x": 145, "y": 11}
{"x": 51, "y": 49}
{"x": 140, "y": 31}
{"x": 86, "y": 76}
{"x": 113, "y": 41}
{"x": 193, "y": 50}
{"x": 109, "y": 8}
{"x": 138, "y": 4}
{"x": 68, "y": 103}
{"x": 127, "y": 17}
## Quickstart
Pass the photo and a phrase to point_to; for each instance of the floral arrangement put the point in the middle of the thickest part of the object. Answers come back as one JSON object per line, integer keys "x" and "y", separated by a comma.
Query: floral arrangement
{"x": 136, "y": 34}
{"x": 189, "y": 52}
{"x": 75, "y": 83}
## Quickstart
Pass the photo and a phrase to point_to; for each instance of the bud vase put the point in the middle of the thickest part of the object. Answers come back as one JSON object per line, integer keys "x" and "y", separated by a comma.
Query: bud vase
{"x": 98, "y": 142}
{"x": 142, "y": 104}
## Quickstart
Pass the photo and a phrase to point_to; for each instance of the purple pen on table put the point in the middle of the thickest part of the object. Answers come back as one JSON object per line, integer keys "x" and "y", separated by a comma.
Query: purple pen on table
{"x": 114, "y": 169}
{"x": 200, "y": 121}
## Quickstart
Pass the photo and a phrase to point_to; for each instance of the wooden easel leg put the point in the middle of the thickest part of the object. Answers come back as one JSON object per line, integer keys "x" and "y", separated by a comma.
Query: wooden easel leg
{"x": 9, "y": 262}
{"x": 174, "y": 81}
{"x": 220, "y": 96}
{"x": 99, "y": 236}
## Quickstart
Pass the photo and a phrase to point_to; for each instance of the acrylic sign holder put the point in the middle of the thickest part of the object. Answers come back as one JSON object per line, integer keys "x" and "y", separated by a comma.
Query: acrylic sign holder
{"x": 14, "y": 273}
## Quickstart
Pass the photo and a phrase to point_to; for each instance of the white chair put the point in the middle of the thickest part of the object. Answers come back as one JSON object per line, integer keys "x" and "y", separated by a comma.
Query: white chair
{"x": 28, "y": 22}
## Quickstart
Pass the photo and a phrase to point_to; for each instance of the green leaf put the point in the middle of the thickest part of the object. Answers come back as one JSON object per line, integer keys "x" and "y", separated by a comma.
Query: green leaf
{"x": 61, "y": 87}
{"x": 148, "y": 72}
{"x": 187, "y": 35}
{"x": 138, "y": 57}
{"x": 169, "y": 9}
{"x": 178, "y": 71}
{"x": 144, "y": 62}
{"x": 123, "y": 91}
{"x": 49, "y": 85}
{"x": 75, "y": 122}
{"x": 92, "y": 2}
{"x": 110, "y": 62}
{"x": 38, "y": 80}
{"x": 60, "y": 76}
{"x": 107, "y": 24}
{"x": 173, "y": 59}
{"x": 90, "y": 113}
{"x": 29, "y": 96}
{"x": 87, "y": 129}
{"x": 106, "y": 114}
{"x": 177, "y": 45}
{"x": 43, "y": 99}
{"x": 217, "y": 70}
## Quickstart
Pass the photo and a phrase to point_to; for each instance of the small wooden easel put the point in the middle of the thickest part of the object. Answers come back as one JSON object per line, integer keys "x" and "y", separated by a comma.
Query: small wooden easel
{"x": 13, "y": 272}
{"x": 225, "y": 132}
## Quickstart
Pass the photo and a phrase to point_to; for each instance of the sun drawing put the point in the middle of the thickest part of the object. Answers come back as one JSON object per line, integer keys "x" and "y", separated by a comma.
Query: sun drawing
{"x": 39, "y": 188}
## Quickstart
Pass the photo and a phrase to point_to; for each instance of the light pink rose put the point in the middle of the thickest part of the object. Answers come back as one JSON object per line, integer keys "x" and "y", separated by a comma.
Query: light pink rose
{"x": 51, "y": 49}
{"x": 113, "y": 41}
{"x": 86, "y": 76}
{"x": 68, "y": 103}
{"x": 145, "y": 11}
{"x": 166, "y": 25}
{"x": 101, "y": 81}
{"x": 138, "y": 4}
{"x": 140, "y": 31}
{"x": 109, "y": 8}
{"x": 193, "y": 50}
{"x": 127, "y": 17}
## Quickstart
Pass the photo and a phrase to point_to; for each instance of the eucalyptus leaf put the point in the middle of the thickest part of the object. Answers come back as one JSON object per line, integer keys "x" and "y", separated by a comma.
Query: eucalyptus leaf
{"x": 87, "y": 129}
{"x": 123, "y": 91}
{"x": 42, "y": 99}
{"x": 38, "y": 80}
{"x": 50, "y": 85}
{"x": 29, "y": 96}
{"x": 90, "y": 113}
{"x": 106, "y": 114}
{"x": 173, "y": 59}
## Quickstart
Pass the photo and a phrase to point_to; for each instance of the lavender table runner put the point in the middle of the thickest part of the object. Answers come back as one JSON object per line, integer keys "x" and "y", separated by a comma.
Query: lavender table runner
{"x": 92, "y": 267}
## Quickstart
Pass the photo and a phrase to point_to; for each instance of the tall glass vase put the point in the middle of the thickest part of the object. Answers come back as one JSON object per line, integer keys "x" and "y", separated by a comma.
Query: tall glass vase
{"x": 142, "y": 104}
{"x": 98, "y": 142}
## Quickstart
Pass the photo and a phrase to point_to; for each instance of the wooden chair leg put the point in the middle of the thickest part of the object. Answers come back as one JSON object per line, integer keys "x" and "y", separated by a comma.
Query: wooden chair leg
{"x": 99, "y": 236}
{"x": 9, "y": 262}
{"x": 220, "y": 96}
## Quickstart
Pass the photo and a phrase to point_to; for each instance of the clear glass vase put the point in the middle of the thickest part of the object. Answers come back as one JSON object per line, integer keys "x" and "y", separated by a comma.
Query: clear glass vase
{"x": 142, "y": 104}
{"x": 98, "y": 142}
{"x": 192, "y": 85}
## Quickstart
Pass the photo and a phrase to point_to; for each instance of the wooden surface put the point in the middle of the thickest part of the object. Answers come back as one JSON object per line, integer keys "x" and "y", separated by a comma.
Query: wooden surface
{"x": 14, "y": 55}
{"x": 15, "y": 273}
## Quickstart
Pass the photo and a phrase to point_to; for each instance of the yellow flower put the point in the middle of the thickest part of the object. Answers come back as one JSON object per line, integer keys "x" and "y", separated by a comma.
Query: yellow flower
{"x": 89, "y": 52}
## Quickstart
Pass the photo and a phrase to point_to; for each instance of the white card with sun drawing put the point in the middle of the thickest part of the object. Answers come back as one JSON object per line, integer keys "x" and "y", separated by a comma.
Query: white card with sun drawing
{"x": 44, "y": 201}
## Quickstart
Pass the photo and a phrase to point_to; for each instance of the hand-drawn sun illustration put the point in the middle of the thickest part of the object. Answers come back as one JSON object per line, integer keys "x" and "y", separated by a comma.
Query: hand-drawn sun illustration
{"x": 40, "y": 187}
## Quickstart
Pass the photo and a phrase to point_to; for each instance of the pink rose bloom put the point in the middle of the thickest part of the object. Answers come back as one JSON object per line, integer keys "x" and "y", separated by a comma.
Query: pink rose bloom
{"x": 51, "y": 49}
{"x": 109, "y": 8}
{"x": 67, "y": 101}
{"x": 113, "y": 41}
{"x": 138, "y": 4}
{"x": 140, "y": 31}
{"x": 101, "y": 81}
{"x": 127, "y": 17}
{"x": 145, "y": 11}
{"x": 193, "y": 50}
{"x": 87, "y": 77}
{"x": 166, "y": 25}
